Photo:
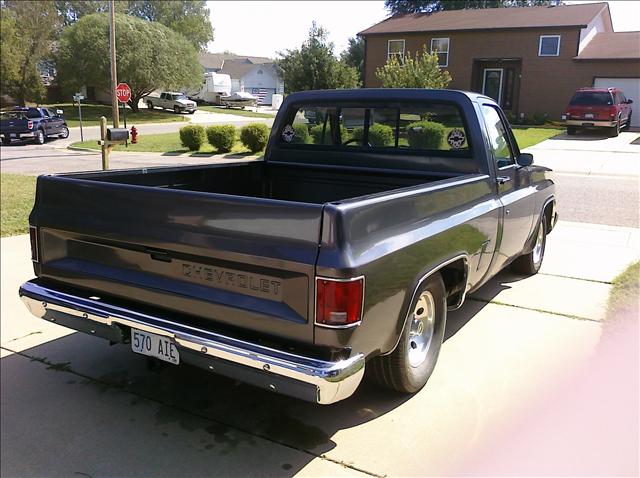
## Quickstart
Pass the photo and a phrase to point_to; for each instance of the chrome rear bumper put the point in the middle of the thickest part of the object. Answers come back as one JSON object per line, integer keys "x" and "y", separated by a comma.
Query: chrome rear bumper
{"x": 304, "y": 377}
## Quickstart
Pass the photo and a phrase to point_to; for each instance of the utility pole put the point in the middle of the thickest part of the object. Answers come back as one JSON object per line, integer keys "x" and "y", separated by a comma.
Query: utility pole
{"x": 114, "y": 72}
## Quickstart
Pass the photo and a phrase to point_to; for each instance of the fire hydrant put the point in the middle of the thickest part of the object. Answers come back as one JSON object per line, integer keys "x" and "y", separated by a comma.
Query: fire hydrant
{"x": 134, "y": 135}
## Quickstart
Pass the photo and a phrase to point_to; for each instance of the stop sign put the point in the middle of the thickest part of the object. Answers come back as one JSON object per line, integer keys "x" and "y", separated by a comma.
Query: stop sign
{"x": 123, "y": 93}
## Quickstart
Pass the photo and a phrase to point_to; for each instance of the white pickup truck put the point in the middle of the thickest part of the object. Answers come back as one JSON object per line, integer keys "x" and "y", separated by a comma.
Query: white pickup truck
{"x": 168, "y": 100}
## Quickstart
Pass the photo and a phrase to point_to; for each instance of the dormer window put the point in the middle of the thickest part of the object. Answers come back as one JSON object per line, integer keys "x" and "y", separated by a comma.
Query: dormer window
{"x": 549, "y": 45}
{"x": 259, "y": 72}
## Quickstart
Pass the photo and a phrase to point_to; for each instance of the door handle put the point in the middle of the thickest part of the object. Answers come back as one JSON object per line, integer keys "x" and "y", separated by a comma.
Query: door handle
{"x": 503, "y": 179}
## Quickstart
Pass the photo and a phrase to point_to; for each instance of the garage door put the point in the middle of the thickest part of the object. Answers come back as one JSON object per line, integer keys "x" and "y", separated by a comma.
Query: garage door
{"x": 631, "y": 89}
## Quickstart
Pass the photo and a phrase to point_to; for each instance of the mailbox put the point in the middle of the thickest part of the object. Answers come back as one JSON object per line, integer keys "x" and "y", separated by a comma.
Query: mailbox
{"x": 117, "y": 134}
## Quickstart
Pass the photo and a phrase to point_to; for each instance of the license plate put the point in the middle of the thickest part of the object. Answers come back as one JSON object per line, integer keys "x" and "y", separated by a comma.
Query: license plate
{"x": 12, "y": 135}
{"x": 587, "y": 124}
{"x": 588, "y": 115}
{"x": 154, "y": 345}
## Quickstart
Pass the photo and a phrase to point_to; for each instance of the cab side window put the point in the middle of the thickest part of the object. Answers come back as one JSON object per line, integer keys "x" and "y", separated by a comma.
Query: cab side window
{"x": 498, "y": 135}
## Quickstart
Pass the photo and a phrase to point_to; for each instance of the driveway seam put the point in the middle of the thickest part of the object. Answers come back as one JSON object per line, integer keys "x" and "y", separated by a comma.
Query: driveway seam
{"x": 568, "y": 316}
{"x": 575, "y": 278}
{"x": 65, "y": 367}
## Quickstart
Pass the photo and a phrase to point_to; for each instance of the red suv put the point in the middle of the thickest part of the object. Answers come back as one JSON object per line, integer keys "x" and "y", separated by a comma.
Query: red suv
{"x": 598, "y": 108}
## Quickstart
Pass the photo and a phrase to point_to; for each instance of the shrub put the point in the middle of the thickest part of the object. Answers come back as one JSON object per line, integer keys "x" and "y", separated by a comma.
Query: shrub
{"x": 425, "y": 135}
{"x": 316, "y": 133}
{"x": 302, "y": 134}
{"x": 222, "y": 137}
{"x": 192, "y": 137}
{"x": 255, "y": 136}
{"x": 381, "y": 135}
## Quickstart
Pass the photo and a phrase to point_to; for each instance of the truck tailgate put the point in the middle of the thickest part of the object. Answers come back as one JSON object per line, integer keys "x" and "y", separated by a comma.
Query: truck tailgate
{"x": 231, "y": 260}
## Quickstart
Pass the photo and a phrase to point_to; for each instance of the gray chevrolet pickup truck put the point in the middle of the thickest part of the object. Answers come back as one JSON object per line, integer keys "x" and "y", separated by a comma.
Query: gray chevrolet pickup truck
{"x": 373, "y": 213}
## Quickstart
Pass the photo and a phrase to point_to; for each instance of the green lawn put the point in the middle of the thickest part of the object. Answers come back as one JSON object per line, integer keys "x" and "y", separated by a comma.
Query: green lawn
{"x": 91, "y": 115}
{"x": 235, "y": 111}
{"x": 159, "y": 143}
{"x": 528, "y": 136}
{"x": 625, "y": 290}
{"x": 17, "y": 194}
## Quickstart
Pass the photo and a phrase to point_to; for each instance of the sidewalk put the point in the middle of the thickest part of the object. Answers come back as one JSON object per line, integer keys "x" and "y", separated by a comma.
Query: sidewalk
{"x": 589, "y": 155}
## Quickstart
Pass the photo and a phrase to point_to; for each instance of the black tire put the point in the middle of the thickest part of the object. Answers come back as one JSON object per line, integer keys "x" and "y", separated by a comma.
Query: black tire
{"x": 571, "y": 130}
{"x": 529, "y": 264}
{"x": 64, "y": 133}
{"x": 149, "y": 105}
{"x": 6, "y": 141}
{"x": 40, "y": 137}
{"x": 409, "y": 366}
{"x": 176, "y": 110}
{"x": 628, "y": 123}
{"x": 615, "y": 131}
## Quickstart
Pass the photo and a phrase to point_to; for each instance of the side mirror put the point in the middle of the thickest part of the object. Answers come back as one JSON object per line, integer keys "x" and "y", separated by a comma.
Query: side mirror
{"x": 629, "y": 102}
{"x": 525, "y": 159}
{"x": 59, "y": 112}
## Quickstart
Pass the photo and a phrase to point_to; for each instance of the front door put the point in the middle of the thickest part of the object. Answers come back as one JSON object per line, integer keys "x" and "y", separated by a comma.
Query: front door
{"x": 514, "y": 187}
{"x": 492, "y": 83}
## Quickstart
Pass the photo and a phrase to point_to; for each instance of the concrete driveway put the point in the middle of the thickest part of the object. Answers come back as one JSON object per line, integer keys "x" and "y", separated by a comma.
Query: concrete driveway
{"x": 73, "y": 405}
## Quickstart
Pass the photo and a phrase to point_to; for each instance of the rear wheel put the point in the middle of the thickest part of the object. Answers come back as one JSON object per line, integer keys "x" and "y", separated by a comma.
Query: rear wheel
{"x": 39, "y": 137}
{"x": 6, "y": 141}
{"x": 615, "y": 131}
{"x": 571, "y": 130}
{"x": 628, "y": 123}
{"x": 530, "y": 263}
{"x": 410, "y": 365}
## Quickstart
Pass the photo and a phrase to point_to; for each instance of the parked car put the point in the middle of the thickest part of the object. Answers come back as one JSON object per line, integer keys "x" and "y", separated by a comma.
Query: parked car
{"x": 32, "y": 123}
{"x": 598, "y": 108}
{"x": 294, "y": 272}
{"x": 178, "y": 102}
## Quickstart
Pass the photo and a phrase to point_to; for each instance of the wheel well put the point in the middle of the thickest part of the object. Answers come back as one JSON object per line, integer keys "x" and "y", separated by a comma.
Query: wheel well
{"x": 548, "y": 211}
{"x": 454, "y": 276}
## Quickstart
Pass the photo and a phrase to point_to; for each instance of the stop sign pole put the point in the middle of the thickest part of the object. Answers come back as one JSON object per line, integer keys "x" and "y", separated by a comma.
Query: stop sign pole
{"x": 123, "y": 94}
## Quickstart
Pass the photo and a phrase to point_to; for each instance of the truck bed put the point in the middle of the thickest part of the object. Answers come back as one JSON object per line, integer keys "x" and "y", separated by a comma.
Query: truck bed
{"x": 227, "y": 245}
{"x": 284, "y": 182}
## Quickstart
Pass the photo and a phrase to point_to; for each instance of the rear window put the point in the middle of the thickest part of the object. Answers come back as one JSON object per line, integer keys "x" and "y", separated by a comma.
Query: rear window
{"x": 31, "y": 113}
{"x": 592, "y": 98}
{"x": 424, "y": 127}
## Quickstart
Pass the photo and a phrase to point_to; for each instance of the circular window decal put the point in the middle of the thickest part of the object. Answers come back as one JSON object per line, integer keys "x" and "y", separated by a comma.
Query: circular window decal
{"x": 456, "y": 138}
{"x": 288, "y": 133}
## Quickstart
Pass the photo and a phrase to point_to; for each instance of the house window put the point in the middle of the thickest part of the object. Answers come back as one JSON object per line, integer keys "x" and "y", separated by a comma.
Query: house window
{"x": 441, "y": 47}
{"x": 395, "y": 48}
{"x": 549, "y": 45}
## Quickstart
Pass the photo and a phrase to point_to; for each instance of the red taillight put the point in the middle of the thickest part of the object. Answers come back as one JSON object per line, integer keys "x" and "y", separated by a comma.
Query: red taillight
{"x": 33, "y": 236}
{"x": 339, "y": 302}
{"x": 612, "y": 112}
{"x": 29, "y": 124}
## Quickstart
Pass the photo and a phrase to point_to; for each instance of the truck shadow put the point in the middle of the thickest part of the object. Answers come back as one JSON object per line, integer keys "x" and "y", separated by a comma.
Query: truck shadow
{"x": 186, "y": 401}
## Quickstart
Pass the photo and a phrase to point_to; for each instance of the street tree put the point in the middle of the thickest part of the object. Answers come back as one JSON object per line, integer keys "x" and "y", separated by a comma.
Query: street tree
{"x": 396, "y": 7}
{"x": 354, "y": 55}
{"x": 314, "y": 66}
{"x": 190, "y": 18}
{"x": 31, "y": 28}
{"x": 150, "y": 56}
{"x": 421, "y": 71}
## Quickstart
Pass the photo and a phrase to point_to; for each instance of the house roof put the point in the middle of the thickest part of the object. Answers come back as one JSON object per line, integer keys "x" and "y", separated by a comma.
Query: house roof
{"x": 238, "y": 68}
{"x": 215, "y": 61}
{"x": 612, "y": 46}
{"x": 490, "y": 18}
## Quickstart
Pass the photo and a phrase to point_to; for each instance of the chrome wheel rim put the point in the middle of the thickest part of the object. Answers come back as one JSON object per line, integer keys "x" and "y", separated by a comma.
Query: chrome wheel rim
{"x": 422, "y": 327}
{"x": 537, "y": 249}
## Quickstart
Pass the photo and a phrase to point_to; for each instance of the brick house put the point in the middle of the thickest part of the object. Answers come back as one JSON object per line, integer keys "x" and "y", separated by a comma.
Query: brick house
{"x": 530, "y": 59}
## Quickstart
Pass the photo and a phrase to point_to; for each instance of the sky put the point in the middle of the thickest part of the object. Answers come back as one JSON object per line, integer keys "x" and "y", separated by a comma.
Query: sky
{"x": 263, "y": 28}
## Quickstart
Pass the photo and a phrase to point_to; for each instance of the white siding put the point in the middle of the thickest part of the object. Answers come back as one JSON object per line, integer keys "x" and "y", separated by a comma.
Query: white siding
{"x": 586, "y": 34}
